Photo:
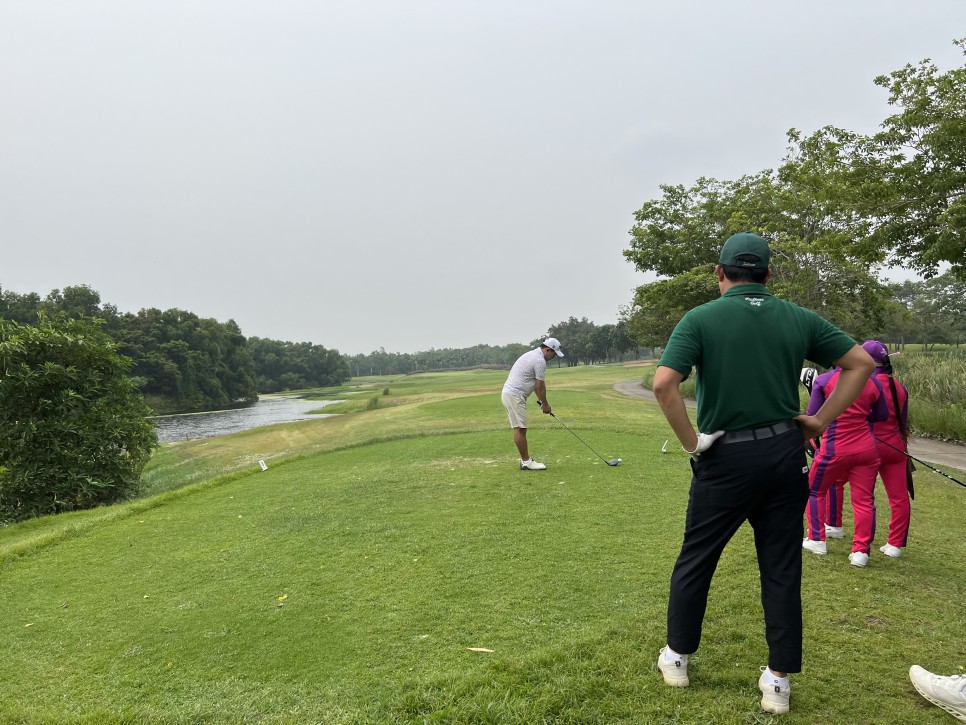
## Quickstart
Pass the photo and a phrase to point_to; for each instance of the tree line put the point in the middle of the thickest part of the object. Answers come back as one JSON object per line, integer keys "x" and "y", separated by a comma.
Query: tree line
{"x": 583, "y": 341}
{"x": 181, "y": 362}
{"x": 839, "y": 207}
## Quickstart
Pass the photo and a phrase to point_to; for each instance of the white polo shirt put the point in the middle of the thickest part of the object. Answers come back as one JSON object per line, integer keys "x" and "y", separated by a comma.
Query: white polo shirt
{"x": 526, "y": 371}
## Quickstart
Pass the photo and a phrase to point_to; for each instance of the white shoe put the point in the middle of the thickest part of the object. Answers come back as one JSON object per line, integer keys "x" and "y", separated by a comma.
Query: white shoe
{"x": 816, "y": 547}
{"x": 949, "y": 693}
{"x": 858, "y": 558}
{"x": 531, "y": 465}
{"x": 675, "y": 671}
{"x": 889, "y": 550}
{"x": 834, "y": 532}
{"x": 774, "y": 697}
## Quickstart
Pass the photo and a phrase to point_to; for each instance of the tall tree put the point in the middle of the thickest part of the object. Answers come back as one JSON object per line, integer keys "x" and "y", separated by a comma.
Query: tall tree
{"x": 919, "y": 203}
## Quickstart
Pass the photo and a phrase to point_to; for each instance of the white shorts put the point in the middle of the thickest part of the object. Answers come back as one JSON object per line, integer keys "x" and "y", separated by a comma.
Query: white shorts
{"x": 516, "y": 409}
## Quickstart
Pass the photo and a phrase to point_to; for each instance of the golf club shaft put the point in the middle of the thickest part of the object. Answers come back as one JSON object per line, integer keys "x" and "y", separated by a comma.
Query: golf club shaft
{"x": 906, "y": 453}
{"x": 576, "y": 436}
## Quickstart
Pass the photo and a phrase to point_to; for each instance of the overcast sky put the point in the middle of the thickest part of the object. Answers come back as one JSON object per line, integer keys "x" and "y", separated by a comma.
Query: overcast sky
{"x": 403, "y": 174}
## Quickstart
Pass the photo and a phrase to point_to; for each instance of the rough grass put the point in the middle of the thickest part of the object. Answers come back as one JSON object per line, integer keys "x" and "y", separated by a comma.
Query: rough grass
{"x": 348, "y": 582}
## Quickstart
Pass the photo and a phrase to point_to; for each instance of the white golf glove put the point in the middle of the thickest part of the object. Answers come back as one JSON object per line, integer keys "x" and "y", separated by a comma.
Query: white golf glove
{"x": 705, "y": 441}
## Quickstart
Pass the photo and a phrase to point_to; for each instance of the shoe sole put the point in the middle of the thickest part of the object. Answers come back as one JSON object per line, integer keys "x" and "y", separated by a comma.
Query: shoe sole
{"x": 773, "y": 708}
{"x": 674, "y": 681}
{"x": 938, "y": 703}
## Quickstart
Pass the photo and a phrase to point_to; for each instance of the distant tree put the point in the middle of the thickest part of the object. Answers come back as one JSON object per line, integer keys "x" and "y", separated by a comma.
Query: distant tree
{"x": 79, "y": 301}
{"x": 575, "y": 338}
{"x": 282, "y": 365}
{"x": 22, "y": 308}
{"x": 73, "y": 429}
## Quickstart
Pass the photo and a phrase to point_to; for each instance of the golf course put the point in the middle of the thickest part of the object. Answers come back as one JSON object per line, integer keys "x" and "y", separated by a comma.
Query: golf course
{"x": 392, "y": 564}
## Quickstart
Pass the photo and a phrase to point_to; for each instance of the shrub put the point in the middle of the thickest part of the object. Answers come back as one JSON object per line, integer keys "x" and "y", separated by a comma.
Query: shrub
{"x": 73, "y": 429}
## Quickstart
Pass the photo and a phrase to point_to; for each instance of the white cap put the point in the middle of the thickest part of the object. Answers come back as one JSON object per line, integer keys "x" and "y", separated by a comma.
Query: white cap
{"x": 554, "y": 344}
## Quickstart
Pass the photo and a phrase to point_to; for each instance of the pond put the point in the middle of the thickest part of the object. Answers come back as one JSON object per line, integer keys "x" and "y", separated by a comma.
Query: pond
{"x": 221, "y": 422}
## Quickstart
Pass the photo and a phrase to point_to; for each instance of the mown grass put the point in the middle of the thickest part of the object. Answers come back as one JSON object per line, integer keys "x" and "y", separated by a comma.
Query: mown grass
{"x": 347, "y": 583}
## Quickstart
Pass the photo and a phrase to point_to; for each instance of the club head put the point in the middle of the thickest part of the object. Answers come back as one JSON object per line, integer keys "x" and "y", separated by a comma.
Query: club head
{"x": 614, "y": 462}
{"x": 808, "y": 378}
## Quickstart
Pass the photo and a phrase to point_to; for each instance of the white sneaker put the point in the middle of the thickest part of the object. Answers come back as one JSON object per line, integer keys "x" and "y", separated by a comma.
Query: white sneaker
{"x": 675, "y": 671}
{"x": 949, "y": 693}
{"x": 774, "y": 697}
{"x": 834, "y": 532}
{"x": 858, "y": 558}
{"x": 816, "y": 547}
{"x": 889, "y": 550}
{"x": 531, "y": 465}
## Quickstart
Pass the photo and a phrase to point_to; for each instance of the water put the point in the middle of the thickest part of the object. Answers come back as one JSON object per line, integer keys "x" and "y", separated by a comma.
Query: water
{"x": 221, "y": 422}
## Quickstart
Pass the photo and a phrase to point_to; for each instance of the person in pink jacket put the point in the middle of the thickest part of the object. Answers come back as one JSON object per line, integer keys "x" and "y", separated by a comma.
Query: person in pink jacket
{"x": 891, "y": 435}
{"x": 847, "y": 453}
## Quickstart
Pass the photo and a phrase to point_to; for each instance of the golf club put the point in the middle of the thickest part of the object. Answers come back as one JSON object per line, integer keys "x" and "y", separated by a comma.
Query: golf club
{"x": 808, "y": 377}
{"x": 922, "y": 462}
{"x": 612, "y": 462}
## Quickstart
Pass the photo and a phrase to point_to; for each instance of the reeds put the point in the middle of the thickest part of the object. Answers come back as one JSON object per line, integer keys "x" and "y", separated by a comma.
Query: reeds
{"x": 936, "y": 381}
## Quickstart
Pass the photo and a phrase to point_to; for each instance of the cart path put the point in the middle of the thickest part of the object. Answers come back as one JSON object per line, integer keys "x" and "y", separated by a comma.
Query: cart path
{"x": 940, "y": 453}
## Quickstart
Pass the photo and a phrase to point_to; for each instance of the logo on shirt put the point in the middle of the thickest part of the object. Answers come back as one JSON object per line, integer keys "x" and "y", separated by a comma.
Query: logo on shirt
{"x": 753, "y": 301}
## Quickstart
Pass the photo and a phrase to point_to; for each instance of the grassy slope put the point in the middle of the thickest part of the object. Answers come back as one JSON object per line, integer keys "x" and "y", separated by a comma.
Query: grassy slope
{"x": 347, "y": 586}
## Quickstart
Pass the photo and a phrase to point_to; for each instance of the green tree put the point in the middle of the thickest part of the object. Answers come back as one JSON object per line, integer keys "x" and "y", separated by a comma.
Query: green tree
{"x": 919, "y": 160}
{"x": 810, "y": 231}
{"x": 73, "y": 430}
{"x": 79, "y": 301}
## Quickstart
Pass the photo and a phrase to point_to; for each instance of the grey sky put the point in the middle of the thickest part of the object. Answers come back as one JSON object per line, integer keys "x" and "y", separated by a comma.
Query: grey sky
{"x": 407, "y": 175}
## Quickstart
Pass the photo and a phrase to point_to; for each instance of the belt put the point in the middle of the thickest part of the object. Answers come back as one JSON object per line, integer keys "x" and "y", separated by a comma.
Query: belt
{"x": 757, "y": 434}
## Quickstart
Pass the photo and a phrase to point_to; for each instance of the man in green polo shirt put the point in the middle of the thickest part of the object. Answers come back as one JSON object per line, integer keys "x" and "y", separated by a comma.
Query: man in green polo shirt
{"x": 748, "y": 456}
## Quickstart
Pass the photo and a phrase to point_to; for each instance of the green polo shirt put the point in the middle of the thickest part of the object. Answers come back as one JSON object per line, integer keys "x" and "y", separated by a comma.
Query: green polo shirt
{"x": 748, "y": 348}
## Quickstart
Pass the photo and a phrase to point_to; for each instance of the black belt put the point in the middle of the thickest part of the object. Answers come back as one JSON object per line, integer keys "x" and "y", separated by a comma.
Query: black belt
{"x": 756, "y": 434}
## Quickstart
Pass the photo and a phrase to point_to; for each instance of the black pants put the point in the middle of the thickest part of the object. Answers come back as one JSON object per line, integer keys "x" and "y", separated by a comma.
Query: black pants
{"x": 766, "y": 483}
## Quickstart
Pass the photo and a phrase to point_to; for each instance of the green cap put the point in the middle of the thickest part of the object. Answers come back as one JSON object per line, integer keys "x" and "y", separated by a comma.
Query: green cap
{"x": 746, "y": 250}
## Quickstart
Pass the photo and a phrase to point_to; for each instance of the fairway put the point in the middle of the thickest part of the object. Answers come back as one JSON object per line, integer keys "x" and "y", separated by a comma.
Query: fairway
{"x": 394, "y": 565}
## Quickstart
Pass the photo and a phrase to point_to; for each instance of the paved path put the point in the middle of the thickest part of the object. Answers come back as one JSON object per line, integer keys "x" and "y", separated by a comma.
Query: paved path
{"x": 951, "y": 455}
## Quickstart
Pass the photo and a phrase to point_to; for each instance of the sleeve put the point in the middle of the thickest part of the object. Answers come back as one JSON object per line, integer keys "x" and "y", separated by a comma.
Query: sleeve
{"x": 817, "y": 398}
{"x": 682, "y": 349}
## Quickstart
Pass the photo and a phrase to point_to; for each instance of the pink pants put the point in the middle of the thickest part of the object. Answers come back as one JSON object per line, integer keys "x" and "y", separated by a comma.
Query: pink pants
{"x": 892, "y": 470}
{"x": 836, "y": 502}
{"x": 860, "y": 470}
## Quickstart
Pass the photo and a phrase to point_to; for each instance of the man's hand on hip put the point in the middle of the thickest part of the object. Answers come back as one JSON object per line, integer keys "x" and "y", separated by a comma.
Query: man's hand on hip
{"x": 705, "y": 441}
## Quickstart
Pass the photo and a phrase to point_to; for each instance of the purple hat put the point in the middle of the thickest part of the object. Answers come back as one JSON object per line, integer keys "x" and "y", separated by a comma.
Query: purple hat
{"x": 877, "y": 350}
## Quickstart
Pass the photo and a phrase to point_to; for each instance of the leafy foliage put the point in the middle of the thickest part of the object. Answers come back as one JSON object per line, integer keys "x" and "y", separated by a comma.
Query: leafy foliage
{"x": 921, "y": 157}
{"x": 73, "y": 432}
{"x": 839, "y": 206}
{"x": 811, "y": 264}
{"x": 183, "y": 362}
{"x": 295, "y": 365}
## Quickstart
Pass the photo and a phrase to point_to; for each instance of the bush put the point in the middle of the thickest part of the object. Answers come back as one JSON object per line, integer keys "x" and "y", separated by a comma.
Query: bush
{"x": 73, "y": 429}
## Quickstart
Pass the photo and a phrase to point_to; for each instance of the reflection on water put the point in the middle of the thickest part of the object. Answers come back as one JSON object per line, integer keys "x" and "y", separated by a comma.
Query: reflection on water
{"x": 221, "y": 422}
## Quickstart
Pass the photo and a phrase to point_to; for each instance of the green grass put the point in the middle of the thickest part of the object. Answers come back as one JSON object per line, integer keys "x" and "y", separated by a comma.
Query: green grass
{"x": 347, "y": 583}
